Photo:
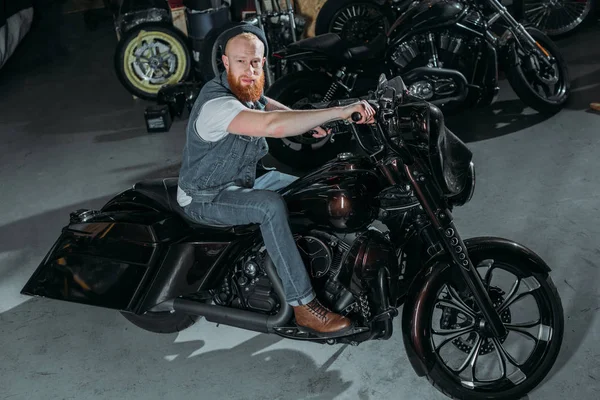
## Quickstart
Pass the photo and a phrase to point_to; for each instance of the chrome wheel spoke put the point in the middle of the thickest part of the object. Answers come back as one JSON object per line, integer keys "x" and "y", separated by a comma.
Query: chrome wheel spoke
{"x": 529, "y": 324}
{"x": 471, "y": 360}
{"x": 455, "y": 302}
{"x": 452, "y": 335}
{"x": 531, "y": 10}
{"x": 513, "y": 296}
{"x": 521, "y": 328}
{"x": 504, "y": 356}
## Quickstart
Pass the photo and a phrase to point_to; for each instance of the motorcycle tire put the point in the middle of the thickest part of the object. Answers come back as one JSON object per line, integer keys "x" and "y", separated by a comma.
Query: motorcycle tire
{"x": 300, "y": 152}
{"x": 518, "y": 80}
{"x": 208, "y": 64}
{"x": 162, "y": 322}
{"x": 333, "y": 9}
{"x": 530, "y": 12}
{"x": 136, "y": 75}
{"x": 441, "y": 376}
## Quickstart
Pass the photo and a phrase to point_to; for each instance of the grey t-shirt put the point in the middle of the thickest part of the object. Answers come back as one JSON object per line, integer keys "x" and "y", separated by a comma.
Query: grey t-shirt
{"x": 211, "y": 125}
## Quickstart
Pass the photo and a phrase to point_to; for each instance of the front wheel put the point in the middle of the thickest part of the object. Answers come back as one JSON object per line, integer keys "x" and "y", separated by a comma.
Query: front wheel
{"x": 542, "y": 85}
{"x": 467, "y": 361}
{"x": 304, "y": 152}
{"x": 149, "y": 57}
{"x": 557, "y": 18}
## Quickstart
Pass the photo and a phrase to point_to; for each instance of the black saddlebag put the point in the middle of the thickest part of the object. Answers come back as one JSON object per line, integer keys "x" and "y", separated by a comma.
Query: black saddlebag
{"x": 111, "y": 260}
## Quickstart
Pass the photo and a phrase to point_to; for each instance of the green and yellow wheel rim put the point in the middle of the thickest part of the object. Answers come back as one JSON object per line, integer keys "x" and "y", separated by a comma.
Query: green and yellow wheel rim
{"x": 153, "y": 59}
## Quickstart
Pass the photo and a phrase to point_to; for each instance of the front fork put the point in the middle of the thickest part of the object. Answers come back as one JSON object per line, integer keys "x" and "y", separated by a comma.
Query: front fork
{"x": 452, "y": 242}
{"x": 522, "y": 36}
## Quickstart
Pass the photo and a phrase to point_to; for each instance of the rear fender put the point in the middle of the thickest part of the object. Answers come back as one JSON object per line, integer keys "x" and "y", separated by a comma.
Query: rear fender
{"x": 420, "y": 289}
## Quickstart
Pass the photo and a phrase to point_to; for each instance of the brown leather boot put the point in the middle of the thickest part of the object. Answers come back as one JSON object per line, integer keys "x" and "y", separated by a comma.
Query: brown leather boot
{"x": 595, "y": 106}
{"x": 319, "y": 320}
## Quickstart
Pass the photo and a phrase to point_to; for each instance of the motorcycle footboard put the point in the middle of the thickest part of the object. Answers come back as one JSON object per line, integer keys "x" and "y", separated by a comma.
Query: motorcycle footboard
{"x": 105, "y": 264}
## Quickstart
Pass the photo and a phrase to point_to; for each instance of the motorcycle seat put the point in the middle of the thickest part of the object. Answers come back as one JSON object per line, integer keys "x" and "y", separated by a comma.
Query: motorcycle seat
{"x": 325, "y": 43}
{"x": 164, "y": 192}
{"x": 333, "y": 46}
{"x": 368, "y": 51}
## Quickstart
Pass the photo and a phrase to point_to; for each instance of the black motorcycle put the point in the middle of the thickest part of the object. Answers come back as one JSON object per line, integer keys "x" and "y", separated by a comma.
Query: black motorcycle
{"x": 360, "y": 20}
{"x": 465, "y": 303}
{"x": 449, "y": 52}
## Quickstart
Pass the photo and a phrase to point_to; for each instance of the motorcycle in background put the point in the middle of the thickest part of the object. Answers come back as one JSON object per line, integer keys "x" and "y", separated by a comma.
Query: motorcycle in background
{"x": 449, "y": 53}
{"x": 556, "y": 18}
{"x": 482, "y": 318}
{"x": 280, "y": 30}
{"x": 152, "y": 53}
{"x": 358, "y": 21}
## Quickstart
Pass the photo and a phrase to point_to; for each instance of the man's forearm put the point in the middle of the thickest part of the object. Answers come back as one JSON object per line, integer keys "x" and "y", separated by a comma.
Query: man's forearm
{"x": 285, "y": 123}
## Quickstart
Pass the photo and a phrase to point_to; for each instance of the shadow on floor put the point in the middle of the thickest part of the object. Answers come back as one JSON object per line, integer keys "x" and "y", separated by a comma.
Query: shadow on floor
{"x": 52, "y": 354}
{"x": 499, "y": 119}
{"x": 585, "y": 90}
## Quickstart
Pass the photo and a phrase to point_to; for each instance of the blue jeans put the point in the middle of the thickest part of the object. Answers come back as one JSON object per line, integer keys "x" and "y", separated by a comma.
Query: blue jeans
{"x": 262, "y": 205}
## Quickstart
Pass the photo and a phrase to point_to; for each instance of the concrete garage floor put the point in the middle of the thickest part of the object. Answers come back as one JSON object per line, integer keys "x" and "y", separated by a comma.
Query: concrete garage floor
{"x": 71, "y": 137}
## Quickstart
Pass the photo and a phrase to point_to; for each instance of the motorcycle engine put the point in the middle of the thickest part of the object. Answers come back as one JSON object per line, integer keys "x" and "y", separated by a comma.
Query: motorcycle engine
{"x": 248, "y": 287}
{"x": 337, "y": 269}
{"x": 343, "y": 271}
{"x": 449, "y": 49}
{"x": 322, "y": 254}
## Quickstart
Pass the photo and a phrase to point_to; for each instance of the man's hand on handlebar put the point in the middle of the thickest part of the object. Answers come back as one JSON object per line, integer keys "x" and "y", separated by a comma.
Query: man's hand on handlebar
{"x": 360, "y": 113}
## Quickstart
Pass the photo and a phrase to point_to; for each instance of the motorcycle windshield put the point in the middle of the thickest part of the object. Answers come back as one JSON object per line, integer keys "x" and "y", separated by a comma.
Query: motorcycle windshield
{"x": 448, "y": 156}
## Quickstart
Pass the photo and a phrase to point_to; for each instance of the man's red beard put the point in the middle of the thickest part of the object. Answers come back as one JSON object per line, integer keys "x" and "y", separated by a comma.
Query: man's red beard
{"x": 247, "y": 93}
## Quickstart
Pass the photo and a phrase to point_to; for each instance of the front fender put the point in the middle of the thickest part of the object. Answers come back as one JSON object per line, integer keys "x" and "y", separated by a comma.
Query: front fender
{"x": 420, "y": 289}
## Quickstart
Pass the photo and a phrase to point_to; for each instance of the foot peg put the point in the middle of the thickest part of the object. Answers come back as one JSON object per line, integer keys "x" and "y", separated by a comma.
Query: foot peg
{"x": 301, "y": 333}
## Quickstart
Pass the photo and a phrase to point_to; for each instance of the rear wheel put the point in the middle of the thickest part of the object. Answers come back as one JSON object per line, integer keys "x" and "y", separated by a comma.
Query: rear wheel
{"x": 304, "y": 152}
{"x": 542, "y": 85}
{"x": 467, "y": 361}
{"x": 149, "y": 57}
{"x": 356, "y": 21}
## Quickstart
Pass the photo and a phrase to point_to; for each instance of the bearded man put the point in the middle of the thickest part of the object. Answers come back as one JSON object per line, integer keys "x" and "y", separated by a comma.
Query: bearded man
{"x": 226, "y": 139}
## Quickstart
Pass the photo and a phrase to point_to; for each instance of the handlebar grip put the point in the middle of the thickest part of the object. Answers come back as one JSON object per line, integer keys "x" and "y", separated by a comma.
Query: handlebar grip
{"x": 356, "y": 116}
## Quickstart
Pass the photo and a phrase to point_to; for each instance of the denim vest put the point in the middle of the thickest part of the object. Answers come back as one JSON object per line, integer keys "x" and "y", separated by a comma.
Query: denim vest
{"x": 209, "y": 167}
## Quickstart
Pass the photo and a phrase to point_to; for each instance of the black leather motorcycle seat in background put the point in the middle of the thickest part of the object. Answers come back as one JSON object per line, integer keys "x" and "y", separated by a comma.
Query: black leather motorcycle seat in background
{"x": 322, "y": 43}
{"x": 332, "y": 45}
{"x": 368, "y": 51}
{"x": 164, "y": 192}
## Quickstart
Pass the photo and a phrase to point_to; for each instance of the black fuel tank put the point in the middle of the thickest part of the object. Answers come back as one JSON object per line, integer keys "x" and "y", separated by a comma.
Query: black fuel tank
{"x": 340, "y": 196}
{"x": 426, "y": 14}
